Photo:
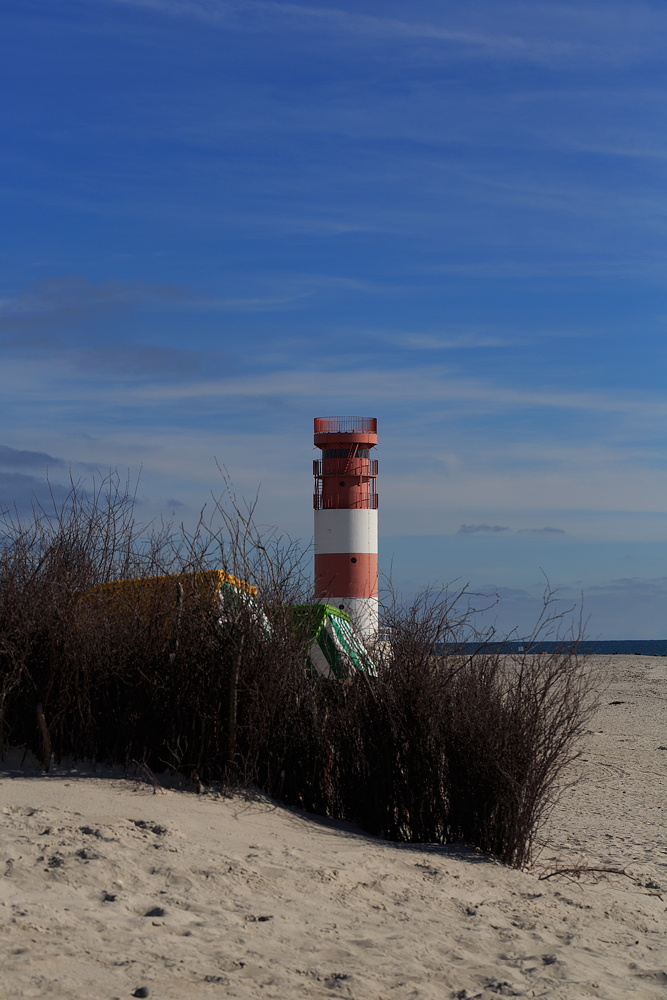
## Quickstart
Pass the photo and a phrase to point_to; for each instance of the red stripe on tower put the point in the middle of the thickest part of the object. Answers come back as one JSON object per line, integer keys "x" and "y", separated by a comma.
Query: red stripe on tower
{"x": 346, "y": 524}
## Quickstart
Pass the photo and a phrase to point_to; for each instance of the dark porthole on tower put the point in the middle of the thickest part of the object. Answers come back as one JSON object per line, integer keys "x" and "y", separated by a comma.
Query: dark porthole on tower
{"x": 341, "y": 484}
{"x": 353, "y": 559}
{"x": 341, "y": 607}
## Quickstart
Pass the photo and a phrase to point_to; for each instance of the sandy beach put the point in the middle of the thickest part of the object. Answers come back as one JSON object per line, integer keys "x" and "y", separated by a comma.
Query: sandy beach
{"x": 109, "y": 885}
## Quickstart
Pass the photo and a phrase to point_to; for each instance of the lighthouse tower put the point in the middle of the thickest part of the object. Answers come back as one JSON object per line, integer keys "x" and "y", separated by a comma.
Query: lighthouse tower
{"x": 346, "y": 520}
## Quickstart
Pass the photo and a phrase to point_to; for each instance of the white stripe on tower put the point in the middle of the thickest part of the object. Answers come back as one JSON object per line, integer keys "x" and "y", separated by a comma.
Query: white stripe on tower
{"x": 346, "y": 525}
{"x": 352, "y": 531}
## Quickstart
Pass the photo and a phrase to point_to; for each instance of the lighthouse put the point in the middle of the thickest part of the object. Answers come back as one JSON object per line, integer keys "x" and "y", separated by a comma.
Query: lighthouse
{"x": 346, "y": 520}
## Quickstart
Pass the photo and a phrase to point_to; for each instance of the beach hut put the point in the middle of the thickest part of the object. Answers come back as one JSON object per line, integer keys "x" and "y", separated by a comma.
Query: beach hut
{"x": 225, "y": 592}
{"x": 332, "y": 649}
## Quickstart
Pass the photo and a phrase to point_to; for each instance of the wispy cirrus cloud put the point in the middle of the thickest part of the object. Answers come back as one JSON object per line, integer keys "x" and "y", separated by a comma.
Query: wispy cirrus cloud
{"x": 293, "y": 289}
{"x": 253, "y": 303}
{"x": 481, "y": 529}
{"x": 60, "y": 300}
{"x": 593, "y": 266}
{"x": 77, "y": 295}
{"x": 565, "y": 33}
{"x": 540, "y": 531}
{"x": 636, "y": 585}
{"x": 262, "y": 15}
{"x": 443, "y": 342}
{"x": 139, "y": 362}
{"x": 434, "y": 385}
{"x": 497, "y": 529}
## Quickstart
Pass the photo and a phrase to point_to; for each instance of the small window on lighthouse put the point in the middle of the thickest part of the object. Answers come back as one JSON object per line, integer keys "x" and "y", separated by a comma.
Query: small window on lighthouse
{"x": 353, "y": 559}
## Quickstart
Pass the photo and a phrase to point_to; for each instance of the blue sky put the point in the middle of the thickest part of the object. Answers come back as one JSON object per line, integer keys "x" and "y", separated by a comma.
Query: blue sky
{"x": 222, "y": 219}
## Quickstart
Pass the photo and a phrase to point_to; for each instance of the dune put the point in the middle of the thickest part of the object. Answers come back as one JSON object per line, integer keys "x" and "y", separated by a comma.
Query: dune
{"x": 110, "y": 885}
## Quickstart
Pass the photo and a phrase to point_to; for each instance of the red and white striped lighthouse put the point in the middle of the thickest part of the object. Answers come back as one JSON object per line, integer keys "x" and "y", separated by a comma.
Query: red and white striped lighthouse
{"x": 346, "y": 519}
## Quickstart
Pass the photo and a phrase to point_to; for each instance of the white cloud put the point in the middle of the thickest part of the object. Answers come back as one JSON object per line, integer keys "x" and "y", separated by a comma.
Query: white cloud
{"x": 562, "y": 34}
{"x": 433, "y": 387}
{"x": 442, "y": 342}
{"x": 242, "y": 15}
{"x": 540, "y": 531}
{"x": 481, "y": 529}
{"x": 425, "y": 384}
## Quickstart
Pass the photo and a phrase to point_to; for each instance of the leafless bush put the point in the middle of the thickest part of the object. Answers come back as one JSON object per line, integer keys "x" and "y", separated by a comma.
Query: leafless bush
{"x": 448, "y": 745}
{"x": 443, "y": 745}
{"x": 46, "y": 563}
{"x": 514, "y": 727}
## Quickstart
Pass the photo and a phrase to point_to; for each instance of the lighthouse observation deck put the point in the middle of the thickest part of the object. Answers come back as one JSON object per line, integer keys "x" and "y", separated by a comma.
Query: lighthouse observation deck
{"x": 347, "y": 425}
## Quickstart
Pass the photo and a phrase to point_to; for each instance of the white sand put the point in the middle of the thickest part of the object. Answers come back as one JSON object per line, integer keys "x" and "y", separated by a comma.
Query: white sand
{"x": 108, "y": 887}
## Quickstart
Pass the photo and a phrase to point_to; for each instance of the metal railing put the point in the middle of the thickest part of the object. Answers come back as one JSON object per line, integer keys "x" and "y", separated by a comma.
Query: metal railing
{"x": 346, "y": 425}
{"x": 366, "y": 467}
{"x": 340, "y": 501}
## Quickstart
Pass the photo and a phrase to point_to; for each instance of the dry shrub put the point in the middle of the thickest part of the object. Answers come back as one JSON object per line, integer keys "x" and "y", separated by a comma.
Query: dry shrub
{"x": 514, "y": 725}
{"x": 149, "y": 676}
{"x": 442, "y": 746}
{"x": 447, "y": 745}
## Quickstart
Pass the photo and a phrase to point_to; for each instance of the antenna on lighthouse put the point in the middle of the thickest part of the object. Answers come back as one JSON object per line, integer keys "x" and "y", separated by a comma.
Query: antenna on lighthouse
{"x": 346, "y": 521}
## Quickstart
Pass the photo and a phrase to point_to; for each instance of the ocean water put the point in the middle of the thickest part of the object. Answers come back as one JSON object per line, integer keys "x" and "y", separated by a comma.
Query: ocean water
{"x": 603, "y": 647}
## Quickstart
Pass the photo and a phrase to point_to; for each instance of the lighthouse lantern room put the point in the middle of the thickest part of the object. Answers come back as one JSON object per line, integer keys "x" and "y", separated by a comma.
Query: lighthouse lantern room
{"x": 346, "y": 525}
